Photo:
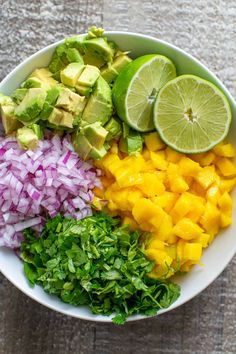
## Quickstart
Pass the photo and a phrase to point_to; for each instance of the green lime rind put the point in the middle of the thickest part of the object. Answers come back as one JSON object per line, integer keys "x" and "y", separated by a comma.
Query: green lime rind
{"x": 191, "y": 114}
{"x": 136, "y": 88}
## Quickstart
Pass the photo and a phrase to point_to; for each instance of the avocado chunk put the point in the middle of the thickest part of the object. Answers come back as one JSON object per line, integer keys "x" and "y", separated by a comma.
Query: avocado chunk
{"x": 19, "y": 94}
{"x": 132, "y": 144}
{"x": 95, "y": 32}
{"x": 111, "y": 72}
{"x": 55, "y": 117}
{"x": 95, "y": 134}
{"x": 97, "y": 154}
{"x": 44, "y": 75}
{"x": 71, "y": 73}
{"x": 97, "y": 51}
{"x": 60, "y": 118}
{"x": 71, "y": 102}
{"x": 114, "y": 129}
{"x": 27, "y": 138}
{"x": 82, "y": 145}
{"x": 89, "y": 76}
{"x": 83, "y": 90}
{"x": 67, "y": 120}
{"x": 37, "y": 129}
{"x": 62, "y": 56}
{"x": 99, "y": 106}
{"x": 50, "y": 101}
{"x": 31, "y": 105}
{"x": 9, "y": 121}
{"x": 34, "y": 82}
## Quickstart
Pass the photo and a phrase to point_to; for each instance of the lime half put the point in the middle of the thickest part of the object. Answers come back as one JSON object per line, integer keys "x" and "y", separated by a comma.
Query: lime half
{"x": 137, "y": 86}
{"x": 191, "y": 114}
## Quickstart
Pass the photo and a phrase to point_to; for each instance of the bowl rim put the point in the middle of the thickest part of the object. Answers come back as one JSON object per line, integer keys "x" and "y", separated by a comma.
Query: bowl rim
{"x": 107, "y": 319}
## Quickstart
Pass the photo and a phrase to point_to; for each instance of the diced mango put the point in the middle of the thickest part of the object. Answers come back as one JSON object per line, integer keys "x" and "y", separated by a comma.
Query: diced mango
{"x": 172, "y": 155}
{"x": 166, "y": 201}
{"x": 154, "y": 142}
{"x": 133, "y": 196}
{"x": 204, "y": 159}
{"x": 130, "y": 221}
{"x": 226, "y": 167}
{"x": 197, "y": 189}
{"x": 225, "y": 203}
{"x": 146, "y": 154}
{"x": 192, "y": 251}
{"x": 213, "y": 193}
{"x": 159, "y": 256}
{"x": 177, "y": 184}
{"x": 210, "y": 220}
{"x": 197, "y": 209}
{"x": 180, "y": 250}
{"x": 224, "y": 150}
{"x": 186, "y": 229}
{"x": 151, "y": 186}
{"x": 181, "y": 208}
{"x": 225, "y": 219}
{"x": 203, "y": 239}
{"x": 160, "y": 215}
{"x": 158, "y": 244}
{"x": 164, "y": 227}
{"x": 188, "y": 167}
{"x": 158, "y": 160}
{"x": 144, "y": 210}
{"x": 226, "y": 185}
{"x": 206, "y": 176}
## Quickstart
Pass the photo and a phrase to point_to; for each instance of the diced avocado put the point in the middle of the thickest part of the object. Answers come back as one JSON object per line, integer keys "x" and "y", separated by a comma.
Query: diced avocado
{"x": 97, "y": 51}
{"x": 89, "y": 76}
{"x": 97, "y": 154}
{"x": 9, "y": 121}
{"x": 95, "y": 134}
{"x": 71, "y": 102}
{"x": 83, "y": 90}
{"x": 125, "y": 130}
{"x": 50, "y": 101}
{"x": 132, "y": 144}
{"x": 99, "y": 106}
{"x": 55, "y": 116}
{"x": 62, "y": 56}
{"x": 19, "y": 94}
{"x": 81, "y": 145}
{"x": 67, "y": 120}
{"x": 74, "y": 41}
{"x": 44, "y": 75}
{"x": 5, "y": 100}
{"x": 114, "y": 129}
{"x": 34, "y": 82}
{"x": 37, "y": 129}
{"x": 95, "y": 32}
{"x": 71, "y": 73}
{"x": 27, "y": 138}
{"x": 31, "y": 105}
{"x": 111, "y": 72}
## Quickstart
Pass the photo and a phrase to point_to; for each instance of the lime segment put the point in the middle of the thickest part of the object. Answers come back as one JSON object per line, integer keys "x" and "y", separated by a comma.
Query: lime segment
{"x": 191, "y": 114}
{"x": 137, "y": 86}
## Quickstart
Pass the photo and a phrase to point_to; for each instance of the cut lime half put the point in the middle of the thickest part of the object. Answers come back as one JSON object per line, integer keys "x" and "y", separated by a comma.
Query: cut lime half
{"x": 191, "y": 114}
{"x": 136, "y": 88}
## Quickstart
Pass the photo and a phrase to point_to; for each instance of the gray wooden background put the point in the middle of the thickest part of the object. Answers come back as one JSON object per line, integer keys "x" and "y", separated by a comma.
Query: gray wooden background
{"x": 206, "y": 29}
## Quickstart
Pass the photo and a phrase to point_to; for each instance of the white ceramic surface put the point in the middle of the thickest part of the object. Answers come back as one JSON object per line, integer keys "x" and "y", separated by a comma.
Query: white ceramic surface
{"x": 215, "y": 258}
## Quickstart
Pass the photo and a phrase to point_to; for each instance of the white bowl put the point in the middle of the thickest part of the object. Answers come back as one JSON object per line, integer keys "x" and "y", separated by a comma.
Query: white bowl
{"x": 215, "y": 258}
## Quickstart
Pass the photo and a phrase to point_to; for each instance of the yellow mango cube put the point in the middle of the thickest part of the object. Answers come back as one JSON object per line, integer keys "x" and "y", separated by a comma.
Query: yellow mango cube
{"x": 181, "y": 208}
{"x": 192, "y": 251}
{"x": 186, "y": 229}
{"x": 158, "y": 218}
{"x": 225, "y": 219}
{"x": 226, "y": 185}
{"x": 197, "y": 209}
{"x": 205, "y": 158}
{"x": 151, "y": 186}
{"x": 213, "y": 193}
{"x": 164, "y": 227}
{"x": 146, "y": 154}
{"x": 210, "y": 220}
{"x": 157, "y": 244}
{"x": 225, "y": 203}
{"x": 159, "y": 256}
{"x": 133, "y": 196}
{"x": 197, "y": 189}
{"x": 172, "y": 155}
{"x": 130, "y": 221}
{"x": 158, "y": 160}
{"x": 206, "y": 176}
{"x": 224, "y": 150}
{"x": 144, "y": 210}
{"x": 171, "y": 250}
{"x": 188, "y": 167}
{"x": 154, "y": 142}
{"x": 180, "y": 250}
{"x": 177, "y": 184}
{"x": 226, "y": 166}
{"x": 203, "y": 239}
{"x": 166, "y": 201}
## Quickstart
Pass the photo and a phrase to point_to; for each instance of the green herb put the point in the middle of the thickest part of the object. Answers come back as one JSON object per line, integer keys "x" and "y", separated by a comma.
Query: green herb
{"x": 95, "y": 262}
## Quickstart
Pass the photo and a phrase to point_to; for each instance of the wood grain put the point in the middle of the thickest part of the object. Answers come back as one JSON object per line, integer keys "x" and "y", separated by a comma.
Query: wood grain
{"x": 206, "y": 29}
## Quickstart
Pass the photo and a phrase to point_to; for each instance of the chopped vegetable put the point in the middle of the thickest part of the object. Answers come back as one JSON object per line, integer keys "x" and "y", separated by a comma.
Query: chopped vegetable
{"x": 95, "y": 262}
{"x": 46, "y": 181}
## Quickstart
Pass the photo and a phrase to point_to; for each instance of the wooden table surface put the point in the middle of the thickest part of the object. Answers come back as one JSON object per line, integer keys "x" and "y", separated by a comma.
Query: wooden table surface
{"x": 206, "y": 29}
